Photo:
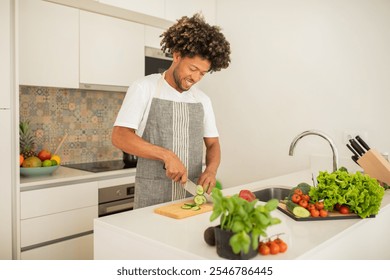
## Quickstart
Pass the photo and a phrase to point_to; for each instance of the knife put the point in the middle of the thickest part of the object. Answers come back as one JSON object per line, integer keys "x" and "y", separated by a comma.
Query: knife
{"x": 357, "y": 147}
{"x": 191, "y": 188}
{"x": 353, "y": 151}
{"x": 355, "y": 159}
{"x": 361, "y": 142}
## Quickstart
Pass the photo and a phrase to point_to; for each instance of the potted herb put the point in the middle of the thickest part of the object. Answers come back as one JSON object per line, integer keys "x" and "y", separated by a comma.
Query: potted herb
{"x": 242, "y": 222}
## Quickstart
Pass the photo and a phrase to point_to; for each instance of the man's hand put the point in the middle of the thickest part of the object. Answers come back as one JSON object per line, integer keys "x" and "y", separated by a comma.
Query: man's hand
{"x": 208, "y": 180}
{"x": 175, "y": 169}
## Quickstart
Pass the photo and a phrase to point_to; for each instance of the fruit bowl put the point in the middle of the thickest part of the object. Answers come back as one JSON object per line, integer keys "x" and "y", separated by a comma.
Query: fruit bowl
{"x": 37, "y": 171}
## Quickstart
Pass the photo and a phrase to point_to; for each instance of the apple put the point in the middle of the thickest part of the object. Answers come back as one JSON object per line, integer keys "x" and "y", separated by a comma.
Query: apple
{"x": 44, "y": 155}
{"x": 247, "y": 195}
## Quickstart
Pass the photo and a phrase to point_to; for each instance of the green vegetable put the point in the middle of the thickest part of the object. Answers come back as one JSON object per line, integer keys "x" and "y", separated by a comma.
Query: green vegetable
{"x": 297, "y": 210}
{"x": 361, "y": 193}
{"x": 305, "y": 188}
{"x": 247, "y": 220}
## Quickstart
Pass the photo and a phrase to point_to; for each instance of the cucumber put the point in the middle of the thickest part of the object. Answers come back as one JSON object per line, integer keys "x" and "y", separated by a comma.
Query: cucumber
{"x": 297, "y": 210}
{"x": 199, "y": 190}
{"x": 186, "y": 206}
{"x": 195, "y": 208}
{"x": 200, "y": 199}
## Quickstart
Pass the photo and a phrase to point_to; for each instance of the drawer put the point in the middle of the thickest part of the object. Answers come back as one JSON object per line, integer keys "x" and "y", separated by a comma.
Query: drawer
{"x": 80, "y": 248}
{"x": 42, "y": 202}
{"x": 49, "y": 228}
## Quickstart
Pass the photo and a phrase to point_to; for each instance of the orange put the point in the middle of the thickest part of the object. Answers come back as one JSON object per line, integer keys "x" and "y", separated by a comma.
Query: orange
{"x": 21, "y": 159}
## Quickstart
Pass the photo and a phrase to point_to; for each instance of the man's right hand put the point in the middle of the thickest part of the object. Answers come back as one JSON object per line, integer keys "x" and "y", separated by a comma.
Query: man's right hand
{"x": 175, "y": 169}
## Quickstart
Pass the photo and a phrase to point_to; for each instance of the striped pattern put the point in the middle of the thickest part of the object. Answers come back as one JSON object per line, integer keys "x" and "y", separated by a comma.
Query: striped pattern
{"x": 181, "y": 126}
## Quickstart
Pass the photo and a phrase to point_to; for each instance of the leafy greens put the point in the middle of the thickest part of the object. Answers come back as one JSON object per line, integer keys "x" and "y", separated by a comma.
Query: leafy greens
{"x": 360, "y": 192}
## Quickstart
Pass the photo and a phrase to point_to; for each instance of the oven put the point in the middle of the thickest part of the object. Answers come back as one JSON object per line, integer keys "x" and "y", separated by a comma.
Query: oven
{"x": 156, "y": 61}
{"x": 116, "y": 199}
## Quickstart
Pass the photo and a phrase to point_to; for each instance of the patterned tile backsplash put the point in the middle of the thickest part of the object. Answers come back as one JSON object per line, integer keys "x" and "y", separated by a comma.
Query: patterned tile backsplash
{"x": 86, "y": 116}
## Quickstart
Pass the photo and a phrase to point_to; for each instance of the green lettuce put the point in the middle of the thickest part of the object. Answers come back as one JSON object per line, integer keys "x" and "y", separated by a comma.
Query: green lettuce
{"x": 360, "y": 192}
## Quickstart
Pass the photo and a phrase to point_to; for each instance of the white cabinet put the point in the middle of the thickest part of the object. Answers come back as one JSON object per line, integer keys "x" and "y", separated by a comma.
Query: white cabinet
{"x": 5, "y": 186}
{"x": 152, "y": 36}
{"x": 111, "y": 50}
{"x": 55, "y": 218}
{"x": 5, "y": 54}
{"x": 150, "y": 7}
{"x": 79, "y": 248}
{"x": 48, "y": 44}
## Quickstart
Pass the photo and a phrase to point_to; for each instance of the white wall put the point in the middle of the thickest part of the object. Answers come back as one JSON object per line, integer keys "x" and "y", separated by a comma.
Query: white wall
{"x": 298, "y": 65}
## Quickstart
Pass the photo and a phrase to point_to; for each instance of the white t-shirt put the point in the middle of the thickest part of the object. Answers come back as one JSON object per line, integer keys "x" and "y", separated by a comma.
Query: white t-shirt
{"x": 136, "y": 104}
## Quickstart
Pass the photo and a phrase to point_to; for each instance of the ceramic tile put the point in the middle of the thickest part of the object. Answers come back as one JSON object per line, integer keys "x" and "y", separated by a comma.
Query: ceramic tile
{"x": 87, "y": 117}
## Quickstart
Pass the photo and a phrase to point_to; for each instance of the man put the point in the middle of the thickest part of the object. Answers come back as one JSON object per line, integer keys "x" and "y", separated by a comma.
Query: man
{"x": 165, "y": 119}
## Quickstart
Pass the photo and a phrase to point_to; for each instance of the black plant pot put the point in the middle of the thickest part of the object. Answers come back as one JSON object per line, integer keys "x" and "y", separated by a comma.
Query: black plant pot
{"x": 224, "y": 249}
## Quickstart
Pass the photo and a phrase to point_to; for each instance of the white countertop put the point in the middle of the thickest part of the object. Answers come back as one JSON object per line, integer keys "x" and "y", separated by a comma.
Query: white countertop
{"x": 142, "y": 234}
{"x": 66, "y": 175}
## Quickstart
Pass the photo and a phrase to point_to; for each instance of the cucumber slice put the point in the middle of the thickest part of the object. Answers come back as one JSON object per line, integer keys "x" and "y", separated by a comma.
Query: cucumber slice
{"x": 186, "y": 206}
{"x": 190, "y": 204}
{"x": 199, "y": 189}
{"x": 200, "y": 199}
{"x": 195, "y": 208}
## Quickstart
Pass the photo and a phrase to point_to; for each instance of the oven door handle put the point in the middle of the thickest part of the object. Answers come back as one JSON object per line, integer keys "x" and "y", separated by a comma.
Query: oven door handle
{"x": 115, "y": 206}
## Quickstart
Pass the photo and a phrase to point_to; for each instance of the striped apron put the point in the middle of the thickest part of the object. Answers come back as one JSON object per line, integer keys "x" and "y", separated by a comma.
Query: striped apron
{"x": 176, "y": 126}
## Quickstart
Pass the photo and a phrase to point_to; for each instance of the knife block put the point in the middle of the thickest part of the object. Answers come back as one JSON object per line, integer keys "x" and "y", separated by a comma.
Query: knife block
{"x": 374, "y": 164}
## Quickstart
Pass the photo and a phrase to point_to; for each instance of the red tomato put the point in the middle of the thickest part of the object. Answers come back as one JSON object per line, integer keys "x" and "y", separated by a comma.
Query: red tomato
{"x": 344, "y": 209}
{"x": 305, "y": 197}
{"x": 247, "y": 195}
{"x": 298, "y": 191}
{"x": 319, "y": 205}
{"x": 337, "y": 206}
{"x": 274, "y": 248}
{"x": 264, "y": 249}
{"x": 282, "y": 247}
{"x": 303, "y": 203}
{"x": 311, "y": 206}
{"x": 323, "y": 213}
{"x": 315, "y": 213}
{"x": 296, "y": 198}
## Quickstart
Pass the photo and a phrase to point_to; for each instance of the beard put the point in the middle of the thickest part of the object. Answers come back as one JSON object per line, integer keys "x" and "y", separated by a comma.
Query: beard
{"x": 177, "y": 80}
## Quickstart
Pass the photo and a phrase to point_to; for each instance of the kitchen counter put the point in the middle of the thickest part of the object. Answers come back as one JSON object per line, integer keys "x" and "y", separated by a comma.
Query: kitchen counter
{"x": 66, "y": 175}
{"x": 141, "y": 234}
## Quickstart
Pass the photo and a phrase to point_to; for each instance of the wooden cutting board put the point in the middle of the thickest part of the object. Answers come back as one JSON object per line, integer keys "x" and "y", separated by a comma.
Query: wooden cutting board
{"x": 175, "y": 211}
{"x": 332, "y": 215}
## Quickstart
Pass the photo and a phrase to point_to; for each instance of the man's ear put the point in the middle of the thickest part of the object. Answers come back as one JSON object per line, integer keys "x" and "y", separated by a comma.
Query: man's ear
{"x": 176, "y": 56}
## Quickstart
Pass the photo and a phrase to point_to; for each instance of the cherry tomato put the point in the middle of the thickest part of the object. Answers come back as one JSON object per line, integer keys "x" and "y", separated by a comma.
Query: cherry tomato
{"x": 305, "y": 197}
{"x": 303, "y": 203}
{"x": 298, "y": 191}
{"x": 282, "y": 247}
{"x": 311, "y": 206}
{"x": 264, "y": 249}
{"x": 295, "y": 198}
{"x": 344, "y": 209}
{"x": 323, "y": 213}
{"x": 274, "y": 248}
{"x": 337, "y": 206}
{"x": 315, "y": 213}
{"x": 319, "y": 205}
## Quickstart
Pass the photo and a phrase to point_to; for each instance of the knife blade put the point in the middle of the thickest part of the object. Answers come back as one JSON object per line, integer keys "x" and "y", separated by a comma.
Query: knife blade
{"x": 362, "y": 142}
{"x": 191, "y": 188}
{"x": 357, "y": 147}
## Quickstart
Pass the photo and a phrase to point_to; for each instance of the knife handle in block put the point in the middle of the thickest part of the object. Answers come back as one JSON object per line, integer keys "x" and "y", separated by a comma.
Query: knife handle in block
{"x": 374, "y": 164}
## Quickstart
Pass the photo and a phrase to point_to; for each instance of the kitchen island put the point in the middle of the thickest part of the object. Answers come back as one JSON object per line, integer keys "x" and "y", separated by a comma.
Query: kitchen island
{"x": 142, "y": 234}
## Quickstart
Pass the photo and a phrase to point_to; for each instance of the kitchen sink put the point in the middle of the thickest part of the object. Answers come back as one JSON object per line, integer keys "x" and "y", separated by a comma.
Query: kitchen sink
{"x": 272, "y": 192}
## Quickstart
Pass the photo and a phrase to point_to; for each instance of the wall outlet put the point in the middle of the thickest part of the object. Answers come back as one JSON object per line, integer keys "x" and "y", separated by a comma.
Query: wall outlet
{"x": 348, "y": 134}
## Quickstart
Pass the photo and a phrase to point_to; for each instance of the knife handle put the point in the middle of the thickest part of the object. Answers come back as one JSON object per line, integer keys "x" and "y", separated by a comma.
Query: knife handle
{"x": 353, "y": 151}
{"x": 357, "y": 147}
{"x": 364, "y": 144}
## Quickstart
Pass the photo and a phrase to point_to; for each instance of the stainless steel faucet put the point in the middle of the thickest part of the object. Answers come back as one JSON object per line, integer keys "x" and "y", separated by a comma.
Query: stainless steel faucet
{"x": 321, "y": 134}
